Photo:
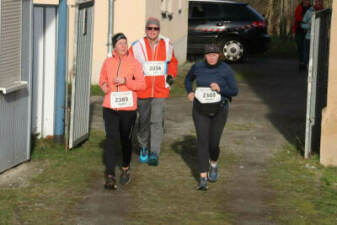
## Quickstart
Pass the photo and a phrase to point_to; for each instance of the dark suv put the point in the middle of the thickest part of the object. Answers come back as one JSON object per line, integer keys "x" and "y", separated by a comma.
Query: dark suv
{"x": 236, "y": 27}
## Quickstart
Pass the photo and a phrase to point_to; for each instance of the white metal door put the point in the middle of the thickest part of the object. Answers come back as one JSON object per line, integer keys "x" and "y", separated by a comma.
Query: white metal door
{"x": 80, "y": 86}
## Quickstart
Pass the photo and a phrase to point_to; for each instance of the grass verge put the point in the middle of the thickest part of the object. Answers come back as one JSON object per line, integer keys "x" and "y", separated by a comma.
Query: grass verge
{"x": 48, "y": 197}
{"x": 158, "y": 195}
{"x": 178, "y": 87}
{"x": 95, "y": 90}
{"x": 305, "y": 191}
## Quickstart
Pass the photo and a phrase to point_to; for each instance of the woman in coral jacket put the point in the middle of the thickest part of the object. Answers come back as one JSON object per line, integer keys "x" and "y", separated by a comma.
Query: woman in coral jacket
{"x": 121, "y": 76}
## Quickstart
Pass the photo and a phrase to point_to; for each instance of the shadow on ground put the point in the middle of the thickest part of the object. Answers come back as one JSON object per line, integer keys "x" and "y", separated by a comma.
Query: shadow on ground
{"x": 279, "y": 84}
{"x": 186, "y": 148}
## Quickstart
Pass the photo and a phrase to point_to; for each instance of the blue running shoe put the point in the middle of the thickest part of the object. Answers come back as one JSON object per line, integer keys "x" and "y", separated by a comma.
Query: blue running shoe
{"x": 153, "y": 159}
{"x": 144, "y": 155}
{"x": 213, "y": 173}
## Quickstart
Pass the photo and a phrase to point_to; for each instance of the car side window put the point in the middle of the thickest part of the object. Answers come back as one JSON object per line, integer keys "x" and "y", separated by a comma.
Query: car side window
{"x": 233, "y": 12}
{"x": 213, "y": 11}
{"x": 197, "y": 11}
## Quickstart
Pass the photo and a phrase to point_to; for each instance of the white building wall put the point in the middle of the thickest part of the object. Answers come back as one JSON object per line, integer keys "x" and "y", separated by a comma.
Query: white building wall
{"x": 130, "y": 17}
{"x": 173, "y": 15}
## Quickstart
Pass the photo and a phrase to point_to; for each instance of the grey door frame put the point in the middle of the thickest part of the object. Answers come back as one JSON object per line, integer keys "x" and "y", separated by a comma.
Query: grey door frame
{"x": 317, "y": 78}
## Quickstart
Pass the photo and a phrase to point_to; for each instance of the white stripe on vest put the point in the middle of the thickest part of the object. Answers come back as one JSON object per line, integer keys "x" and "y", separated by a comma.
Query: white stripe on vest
{"x": 139, "y": 50}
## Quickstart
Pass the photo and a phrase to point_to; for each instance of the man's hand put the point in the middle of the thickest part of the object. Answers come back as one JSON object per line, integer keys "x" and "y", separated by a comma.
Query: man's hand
{"x": 215, "y": 87}
{"x": 169, "y": 79}
{"x": 190, "y": 96}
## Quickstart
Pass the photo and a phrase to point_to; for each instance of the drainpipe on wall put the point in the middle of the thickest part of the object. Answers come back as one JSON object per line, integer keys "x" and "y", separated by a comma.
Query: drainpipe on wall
{"x": 61, "y": 73}
{"x": 110, "y": 28}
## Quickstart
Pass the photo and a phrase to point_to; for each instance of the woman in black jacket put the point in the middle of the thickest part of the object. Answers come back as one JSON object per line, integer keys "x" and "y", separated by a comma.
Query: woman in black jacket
{"x": 215, "y": 87}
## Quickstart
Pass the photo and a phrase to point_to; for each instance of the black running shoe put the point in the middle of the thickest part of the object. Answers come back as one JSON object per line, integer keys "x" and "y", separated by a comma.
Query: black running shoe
{"x": 110, "y": 182}
{"x": 202, "y": 186}
{"x": 125, "y": 176}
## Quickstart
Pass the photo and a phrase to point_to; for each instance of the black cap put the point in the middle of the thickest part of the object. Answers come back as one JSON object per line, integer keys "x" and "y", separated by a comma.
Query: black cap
{"x": 211, "y": 48}
{"x": 117, "y": 37}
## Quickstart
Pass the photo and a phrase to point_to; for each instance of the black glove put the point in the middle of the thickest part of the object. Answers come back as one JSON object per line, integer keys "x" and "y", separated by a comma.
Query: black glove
{"x": 169, "y": 79}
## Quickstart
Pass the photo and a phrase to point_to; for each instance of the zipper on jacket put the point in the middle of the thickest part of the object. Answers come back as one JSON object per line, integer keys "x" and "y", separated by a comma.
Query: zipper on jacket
{"x": 119, "y": 65}
{"x": 154, "y": 56}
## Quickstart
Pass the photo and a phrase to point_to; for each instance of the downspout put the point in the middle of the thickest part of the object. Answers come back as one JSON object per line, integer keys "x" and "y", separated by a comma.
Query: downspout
{"x": 60, "y": 73}
{"x": 110, "y": 28}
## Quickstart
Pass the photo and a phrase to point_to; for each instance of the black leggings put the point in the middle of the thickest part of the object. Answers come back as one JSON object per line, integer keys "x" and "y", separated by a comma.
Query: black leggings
{"x": 209, "y": 130}
{"x": 118, "y": 126}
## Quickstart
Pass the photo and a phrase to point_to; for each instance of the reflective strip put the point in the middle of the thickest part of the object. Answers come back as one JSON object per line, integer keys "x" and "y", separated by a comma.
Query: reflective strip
{"x": 139, "y": 50}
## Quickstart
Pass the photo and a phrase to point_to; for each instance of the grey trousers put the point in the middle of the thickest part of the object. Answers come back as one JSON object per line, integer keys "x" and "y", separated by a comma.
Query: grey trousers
{"x": 150, "y": 123}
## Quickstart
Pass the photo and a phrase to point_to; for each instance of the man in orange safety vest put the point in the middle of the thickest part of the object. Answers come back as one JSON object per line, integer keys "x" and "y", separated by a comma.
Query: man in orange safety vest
{"x": 155, "y": 53}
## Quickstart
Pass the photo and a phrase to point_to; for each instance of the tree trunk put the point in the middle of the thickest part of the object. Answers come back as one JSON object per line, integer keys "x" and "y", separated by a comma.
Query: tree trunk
{"x": 280, "y": 14}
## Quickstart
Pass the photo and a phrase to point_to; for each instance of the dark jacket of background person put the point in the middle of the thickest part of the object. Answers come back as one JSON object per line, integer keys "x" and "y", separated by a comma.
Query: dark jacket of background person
{"x": 205, "y": 74}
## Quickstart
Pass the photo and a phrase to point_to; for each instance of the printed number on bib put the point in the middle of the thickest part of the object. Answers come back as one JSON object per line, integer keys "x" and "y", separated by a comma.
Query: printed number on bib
{"x": 206, "y": 95}
{"x": 154, "y": 68}
{"x": 121, "y": 99}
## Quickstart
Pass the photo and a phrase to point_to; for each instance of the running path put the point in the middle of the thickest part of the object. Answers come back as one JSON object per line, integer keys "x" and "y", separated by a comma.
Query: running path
{"x": 266, "y": 114}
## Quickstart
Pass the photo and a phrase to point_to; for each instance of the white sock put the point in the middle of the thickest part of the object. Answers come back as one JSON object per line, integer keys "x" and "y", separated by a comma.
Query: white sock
{"x": 214, "y": 164}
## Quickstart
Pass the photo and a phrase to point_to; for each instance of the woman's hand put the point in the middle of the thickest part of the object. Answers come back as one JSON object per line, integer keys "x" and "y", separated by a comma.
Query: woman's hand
{"x": 119, "y": 80}
{"x": 215, "y": 87}
{"x": 190, "y": 96}
{"x": 105, "y": 88}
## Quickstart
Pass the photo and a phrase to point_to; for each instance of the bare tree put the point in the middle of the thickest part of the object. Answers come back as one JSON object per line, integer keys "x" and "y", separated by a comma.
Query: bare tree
{"x": 280, "y": 14}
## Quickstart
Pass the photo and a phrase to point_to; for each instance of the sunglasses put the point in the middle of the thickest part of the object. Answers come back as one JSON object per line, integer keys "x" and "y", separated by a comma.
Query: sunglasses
{"x": 153, "y": 28}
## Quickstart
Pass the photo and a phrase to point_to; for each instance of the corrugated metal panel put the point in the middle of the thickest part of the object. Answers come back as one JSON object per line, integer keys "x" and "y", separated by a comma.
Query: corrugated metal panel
{"x": 10, "y": 41}
{"x": 79, "y": 125}
{"x": 38, "y": 56}
{"x": 49, "y": 72}
{"x": 15, "y": 106}
{"x": 44, "y": 69}
{"x": 13, "y": 128}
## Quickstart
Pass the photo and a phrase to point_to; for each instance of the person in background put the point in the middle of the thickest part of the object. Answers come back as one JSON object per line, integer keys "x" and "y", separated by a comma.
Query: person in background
{"x": 299, "y": 32}
{"x": 215, "y": 87}
{"x": 121, "y": 76}
{"x": 306, "y": 25}
{"x": 155, "y": 53}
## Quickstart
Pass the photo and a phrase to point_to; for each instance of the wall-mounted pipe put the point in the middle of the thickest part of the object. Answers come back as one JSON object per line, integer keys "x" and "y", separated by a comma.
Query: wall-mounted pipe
{"x": 61, "y": 73}
{"x": 110, "y": 28}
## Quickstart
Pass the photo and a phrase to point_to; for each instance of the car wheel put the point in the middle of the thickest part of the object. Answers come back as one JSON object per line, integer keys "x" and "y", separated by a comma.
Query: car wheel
{"x": 232, "y": 50}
